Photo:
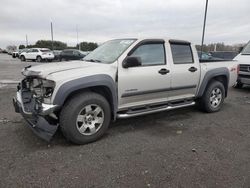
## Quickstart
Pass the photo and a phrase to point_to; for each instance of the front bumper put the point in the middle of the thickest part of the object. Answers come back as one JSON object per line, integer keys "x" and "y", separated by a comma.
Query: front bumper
{"x": 244, "y": 78}
{"x": 38, "y": 120}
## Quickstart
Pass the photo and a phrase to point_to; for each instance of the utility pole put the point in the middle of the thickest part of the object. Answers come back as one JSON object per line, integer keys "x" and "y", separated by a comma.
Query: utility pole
{"x": 27, "y": 41}
{"x": 51, "y": 30}
{"x": 77, "y": 37}
{"x": 204, "y": 27}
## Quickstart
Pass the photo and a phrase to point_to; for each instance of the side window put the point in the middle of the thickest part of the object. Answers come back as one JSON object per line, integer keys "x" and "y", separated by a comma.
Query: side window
{"x": 150, "y": 54}
{"x": 68, "y": 52}
{"x": 76, "y": 53}
{"x": 182, "y": 53}
{"x": 35, "y": 50}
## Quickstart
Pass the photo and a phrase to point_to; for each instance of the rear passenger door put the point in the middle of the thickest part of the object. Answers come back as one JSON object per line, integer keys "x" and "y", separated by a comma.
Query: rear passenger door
{"x": 185, "y": 71}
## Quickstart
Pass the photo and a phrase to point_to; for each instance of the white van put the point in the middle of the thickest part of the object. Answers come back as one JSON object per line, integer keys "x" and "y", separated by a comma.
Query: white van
{"x": 244, "y": 60}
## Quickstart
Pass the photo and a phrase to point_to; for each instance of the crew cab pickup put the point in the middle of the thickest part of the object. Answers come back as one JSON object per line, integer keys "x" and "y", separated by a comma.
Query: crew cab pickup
{"x": 122, "y": 78}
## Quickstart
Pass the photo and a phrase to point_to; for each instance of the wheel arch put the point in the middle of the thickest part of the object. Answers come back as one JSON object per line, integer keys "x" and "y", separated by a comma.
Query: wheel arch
{"x": 101, "y": 84}
{"x": 220, "y": 74}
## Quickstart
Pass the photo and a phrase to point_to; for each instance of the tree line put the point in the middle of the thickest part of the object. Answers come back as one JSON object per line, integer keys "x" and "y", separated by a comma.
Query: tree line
{"x": 220, "y": 47}
{"x": 58, "y": 45}
{"x": 89, "y": 46}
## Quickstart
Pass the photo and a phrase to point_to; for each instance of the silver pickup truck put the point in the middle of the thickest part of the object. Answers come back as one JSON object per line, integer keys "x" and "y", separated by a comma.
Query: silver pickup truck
{"x": 122, "y": 78}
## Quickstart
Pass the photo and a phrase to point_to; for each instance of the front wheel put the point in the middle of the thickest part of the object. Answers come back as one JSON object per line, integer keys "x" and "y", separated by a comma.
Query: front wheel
{"x": 213, "y": 97}
{"x": 22, "y": 58}
{"x": 85, "y": 117}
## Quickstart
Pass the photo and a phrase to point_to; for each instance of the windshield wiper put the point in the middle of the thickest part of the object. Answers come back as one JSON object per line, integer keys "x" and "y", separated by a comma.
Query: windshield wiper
{"x": 92, "y": 60}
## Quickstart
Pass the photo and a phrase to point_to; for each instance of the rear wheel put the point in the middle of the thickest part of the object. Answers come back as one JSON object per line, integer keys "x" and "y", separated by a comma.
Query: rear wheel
{"x": 85, "y": 117}
{"x": 39, "y": 59}
{"x": 213, "y": 97}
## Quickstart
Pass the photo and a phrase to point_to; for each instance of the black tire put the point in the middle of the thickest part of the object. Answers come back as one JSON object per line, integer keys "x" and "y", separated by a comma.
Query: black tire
{"x": 238, "y": 85}
{"x": 205, "y": 102}
{"x": 22, "y": 58}
{"x": 39, "y": 59}
{"x": 72, "y": 108}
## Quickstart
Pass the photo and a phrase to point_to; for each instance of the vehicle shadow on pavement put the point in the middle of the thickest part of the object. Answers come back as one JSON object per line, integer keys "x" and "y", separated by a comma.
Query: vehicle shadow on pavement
{"x": 159, "y": 124}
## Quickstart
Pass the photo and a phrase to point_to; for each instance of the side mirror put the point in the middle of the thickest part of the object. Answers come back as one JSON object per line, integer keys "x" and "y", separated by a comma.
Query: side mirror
{"x": 131, "y": 61}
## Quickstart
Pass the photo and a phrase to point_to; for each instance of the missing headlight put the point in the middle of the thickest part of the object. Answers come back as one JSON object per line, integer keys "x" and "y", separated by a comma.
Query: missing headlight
{"x": 41, "y": 89}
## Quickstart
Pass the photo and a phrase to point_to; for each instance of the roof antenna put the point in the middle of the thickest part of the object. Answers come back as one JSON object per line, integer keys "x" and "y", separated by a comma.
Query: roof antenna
{"x": 204, "y": 27}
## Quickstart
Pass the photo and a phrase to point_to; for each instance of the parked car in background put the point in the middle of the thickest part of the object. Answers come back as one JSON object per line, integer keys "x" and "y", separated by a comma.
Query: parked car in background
{"x": 4, "y": 51}
{"x": 226, "y": 55}
{"x": 15, "y": 54}
{"x": 18, "y": 52}
{"x": 122, "y": 78}
{"x": 71, "y": 54}
{"x": 244, "y": 60}
{"x": 57, "y": 54}
{"x": 207, "y": 56}
{"x": 21, "y": 51}
{"x": 10, "y": 52}
{"x": 37, "y": 54}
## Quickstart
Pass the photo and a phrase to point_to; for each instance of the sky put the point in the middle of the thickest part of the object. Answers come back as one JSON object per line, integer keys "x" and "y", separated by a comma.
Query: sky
{"x": 228, "y": 21}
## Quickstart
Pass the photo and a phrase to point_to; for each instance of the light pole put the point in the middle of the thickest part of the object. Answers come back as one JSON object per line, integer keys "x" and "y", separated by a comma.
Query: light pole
{"x": 27, "y": 41}
{"x": 77, "y": 37}
{"x": 51, "y": 30}
{"x": 204, "y": 27}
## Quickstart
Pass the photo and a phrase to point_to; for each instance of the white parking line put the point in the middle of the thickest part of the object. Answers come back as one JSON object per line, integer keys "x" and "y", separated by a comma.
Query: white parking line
{"x": 9, "y": 82}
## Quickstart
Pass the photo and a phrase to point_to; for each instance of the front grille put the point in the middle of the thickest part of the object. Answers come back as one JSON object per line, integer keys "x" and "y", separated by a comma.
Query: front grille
{"x": 245, "y": 68}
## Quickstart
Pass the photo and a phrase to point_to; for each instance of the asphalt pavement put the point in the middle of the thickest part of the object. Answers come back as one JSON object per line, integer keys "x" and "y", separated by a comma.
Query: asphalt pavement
{"x": 181, "y": 148}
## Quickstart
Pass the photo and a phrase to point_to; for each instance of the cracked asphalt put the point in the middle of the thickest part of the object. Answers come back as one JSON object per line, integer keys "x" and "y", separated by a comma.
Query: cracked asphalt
{"x": 181, "y": 148}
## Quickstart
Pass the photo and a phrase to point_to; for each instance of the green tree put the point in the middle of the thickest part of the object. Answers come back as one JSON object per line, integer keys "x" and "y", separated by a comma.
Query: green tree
{"x": 57, "y": 45}
{"x": 21, "y": 46}
{"x": 87, "y": 46}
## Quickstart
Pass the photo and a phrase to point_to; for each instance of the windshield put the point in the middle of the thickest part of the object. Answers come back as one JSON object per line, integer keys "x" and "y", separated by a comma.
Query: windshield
{"x": 246, "y": 50}
{"x": 109, "y": 51}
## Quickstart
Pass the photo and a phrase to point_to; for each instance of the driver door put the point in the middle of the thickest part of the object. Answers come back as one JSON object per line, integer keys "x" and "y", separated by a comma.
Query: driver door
{"x": 148, "y": 83}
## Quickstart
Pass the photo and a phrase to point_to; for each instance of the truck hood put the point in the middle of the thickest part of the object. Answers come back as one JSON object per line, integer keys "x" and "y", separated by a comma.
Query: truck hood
{"x": 45, "y": 70}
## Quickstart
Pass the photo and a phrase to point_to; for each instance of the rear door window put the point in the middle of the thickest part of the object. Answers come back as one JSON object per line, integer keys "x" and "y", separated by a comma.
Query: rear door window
{"x": 182, "y": 53}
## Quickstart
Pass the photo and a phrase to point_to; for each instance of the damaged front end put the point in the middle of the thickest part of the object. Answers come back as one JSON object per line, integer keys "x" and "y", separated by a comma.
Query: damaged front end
{"x": 33, "y": 101}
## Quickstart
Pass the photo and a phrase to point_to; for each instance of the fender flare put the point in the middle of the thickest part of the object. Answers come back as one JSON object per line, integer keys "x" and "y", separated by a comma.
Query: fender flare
{"x": 223, "y": 71}
{"x": 86, "y": 82}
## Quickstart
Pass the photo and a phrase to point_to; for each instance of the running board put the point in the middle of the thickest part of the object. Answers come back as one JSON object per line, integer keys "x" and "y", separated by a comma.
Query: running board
{"x": 150, "y": 110}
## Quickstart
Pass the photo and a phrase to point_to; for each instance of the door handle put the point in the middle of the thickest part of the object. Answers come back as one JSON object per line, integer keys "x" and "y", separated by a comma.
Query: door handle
{"x": 163, "y": 71}
{"x": 192, "y": 69}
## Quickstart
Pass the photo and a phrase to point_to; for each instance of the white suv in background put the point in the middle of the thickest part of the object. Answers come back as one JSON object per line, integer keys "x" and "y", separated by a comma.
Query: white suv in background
{"x": 37, "y": 54}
